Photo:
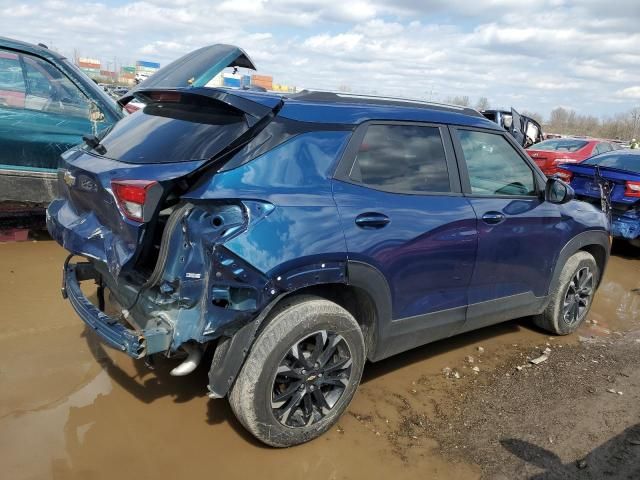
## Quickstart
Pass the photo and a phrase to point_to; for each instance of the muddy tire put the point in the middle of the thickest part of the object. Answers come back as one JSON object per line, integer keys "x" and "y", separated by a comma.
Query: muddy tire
{"x": 301, "y": 372}
{"x": 572, "y": 296}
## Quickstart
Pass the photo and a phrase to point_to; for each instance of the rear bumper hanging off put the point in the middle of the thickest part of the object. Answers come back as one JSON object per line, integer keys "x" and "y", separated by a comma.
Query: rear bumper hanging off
{"x": 135, "y": 343}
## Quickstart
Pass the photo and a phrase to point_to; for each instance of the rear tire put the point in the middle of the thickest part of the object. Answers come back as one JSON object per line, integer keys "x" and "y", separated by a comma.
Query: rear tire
{"x": 572, "y": 296}
{"x": 301, "y": 372}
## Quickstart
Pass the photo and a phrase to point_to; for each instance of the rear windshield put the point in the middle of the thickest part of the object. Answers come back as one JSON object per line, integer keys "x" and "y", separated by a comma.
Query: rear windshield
{"x": 624, "y": 161}
{"x": 560, "y": 145}
{"x": 165, "y": 132}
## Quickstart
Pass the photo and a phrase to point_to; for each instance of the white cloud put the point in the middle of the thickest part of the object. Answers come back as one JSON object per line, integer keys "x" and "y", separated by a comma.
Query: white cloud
{"x": 534, "y": 55}
{"x": 629, "y": 92}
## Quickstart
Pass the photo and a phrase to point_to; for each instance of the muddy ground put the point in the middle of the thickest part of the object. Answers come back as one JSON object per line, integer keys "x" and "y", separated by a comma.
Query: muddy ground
{"x": 70, "y": 409}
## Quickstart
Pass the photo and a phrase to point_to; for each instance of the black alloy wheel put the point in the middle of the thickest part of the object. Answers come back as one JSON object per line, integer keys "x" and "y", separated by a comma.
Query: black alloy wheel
{"x": 310, "y": 379}
{"x": 578, "y": 296}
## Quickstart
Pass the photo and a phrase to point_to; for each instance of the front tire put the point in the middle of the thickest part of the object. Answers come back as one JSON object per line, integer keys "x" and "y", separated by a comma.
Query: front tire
{"x": 572, "y": 297}
{"x": 301, "y": 373}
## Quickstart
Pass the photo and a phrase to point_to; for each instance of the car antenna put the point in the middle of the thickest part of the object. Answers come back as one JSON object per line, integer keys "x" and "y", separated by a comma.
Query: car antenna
{"x": 43, "y": 46}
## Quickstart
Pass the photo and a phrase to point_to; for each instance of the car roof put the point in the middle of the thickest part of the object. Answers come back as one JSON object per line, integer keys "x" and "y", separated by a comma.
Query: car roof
{"x": 348, "y": 108}
{"x": 40, "y": 50}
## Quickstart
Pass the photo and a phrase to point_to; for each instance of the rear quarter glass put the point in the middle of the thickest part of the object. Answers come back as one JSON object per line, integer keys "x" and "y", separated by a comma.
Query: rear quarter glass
{"x": 167, "y": 132}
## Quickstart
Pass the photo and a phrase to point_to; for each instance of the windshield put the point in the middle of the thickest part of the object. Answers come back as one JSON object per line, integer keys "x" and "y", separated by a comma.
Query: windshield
{"x": 621, "y": 161}
{"x": 561, "y": 145}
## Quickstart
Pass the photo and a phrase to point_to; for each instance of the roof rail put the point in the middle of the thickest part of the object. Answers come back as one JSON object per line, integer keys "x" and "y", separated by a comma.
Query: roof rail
{"x": 347, "y": 97}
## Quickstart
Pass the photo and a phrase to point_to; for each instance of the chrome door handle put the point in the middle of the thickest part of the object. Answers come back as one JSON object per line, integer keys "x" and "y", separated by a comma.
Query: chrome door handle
{"x": 493, "y": 218}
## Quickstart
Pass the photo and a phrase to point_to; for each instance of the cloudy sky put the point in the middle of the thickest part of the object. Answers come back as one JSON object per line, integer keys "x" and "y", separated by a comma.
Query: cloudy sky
{"x": 534, "y": 55}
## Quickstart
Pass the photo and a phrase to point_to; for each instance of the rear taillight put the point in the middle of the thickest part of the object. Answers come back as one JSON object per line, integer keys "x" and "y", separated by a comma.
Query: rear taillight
{"x": 131, "y": 196}
{"x": 564, "y": 175}
{"x": 632, "y": 189}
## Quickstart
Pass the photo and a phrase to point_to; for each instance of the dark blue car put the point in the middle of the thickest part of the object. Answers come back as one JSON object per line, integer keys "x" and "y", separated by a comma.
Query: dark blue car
{"x": 301, "y": 235}
{"x": 621, "y": 170}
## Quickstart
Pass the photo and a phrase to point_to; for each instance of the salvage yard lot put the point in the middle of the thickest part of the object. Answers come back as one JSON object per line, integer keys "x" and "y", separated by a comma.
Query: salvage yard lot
{"x": 72, "y": 409}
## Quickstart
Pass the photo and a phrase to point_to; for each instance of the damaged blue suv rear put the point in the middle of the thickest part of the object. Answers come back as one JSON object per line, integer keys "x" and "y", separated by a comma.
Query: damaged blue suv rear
{"x": 300, "y": 236}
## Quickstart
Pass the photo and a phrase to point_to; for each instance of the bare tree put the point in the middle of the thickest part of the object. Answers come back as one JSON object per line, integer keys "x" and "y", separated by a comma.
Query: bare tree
{"x": 482, "y": 104}
{"x": 463, "y": 101}
{"x": 535, "y": 115}
{"x": 623, "y": 126}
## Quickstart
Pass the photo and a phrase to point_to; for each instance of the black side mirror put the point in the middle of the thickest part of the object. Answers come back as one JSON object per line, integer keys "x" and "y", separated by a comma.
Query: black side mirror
{"x": 557, "y": 191}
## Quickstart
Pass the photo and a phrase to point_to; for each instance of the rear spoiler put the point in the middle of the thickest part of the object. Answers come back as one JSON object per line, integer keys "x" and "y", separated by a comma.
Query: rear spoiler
{"x": 254, "y": 105}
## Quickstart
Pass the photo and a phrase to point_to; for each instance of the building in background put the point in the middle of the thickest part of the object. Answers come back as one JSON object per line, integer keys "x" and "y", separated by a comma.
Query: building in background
{"x": 146, "y": 69}
{"x": 90, "y": 66}
{"x": 264, "y": 81}
{"x": 127, "y": 75}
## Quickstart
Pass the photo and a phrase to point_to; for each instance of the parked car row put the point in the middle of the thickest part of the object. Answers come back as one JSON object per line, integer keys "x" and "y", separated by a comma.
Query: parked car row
{"x": 550, "y": 154}
{"x": 591, "y": 165}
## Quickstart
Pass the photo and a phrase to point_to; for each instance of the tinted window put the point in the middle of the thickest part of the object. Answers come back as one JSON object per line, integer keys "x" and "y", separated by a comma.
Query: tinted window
{"x": 560, "y": 145}
{"x": 494, "y": 166}
{"x": 402, "y": 158}
{"x": 619, "y": 160}
{"x": 193, "y": 129}
{"x": 12, "y": 89}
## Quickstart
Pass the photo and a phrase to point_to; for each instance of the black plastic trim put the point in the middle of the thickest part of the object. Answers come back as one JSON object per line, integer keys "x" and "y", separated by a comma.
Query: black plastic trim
{"x": 368, "y": 278}
{"x": 579, "y": 242}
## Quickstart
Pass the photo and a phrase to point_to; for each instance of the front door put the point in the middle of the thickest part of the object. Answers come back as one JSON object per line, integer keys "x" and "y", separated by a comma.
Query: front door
{"x": 42, "y": 113}
{"x": 398, "y": 195}
{"x": 519, "y": 234}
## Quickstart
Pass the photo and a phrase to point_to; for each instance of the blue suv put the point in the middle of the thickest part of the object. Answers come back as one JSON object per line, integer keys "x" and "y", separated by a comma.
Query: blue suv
{"x": 301, "y": 235}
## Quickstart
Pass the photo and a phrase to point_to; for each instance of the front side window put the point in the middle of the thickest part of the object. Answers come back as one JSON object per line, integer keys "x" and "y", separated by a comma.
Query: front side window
{"x": 403, "y": 159}
{"x": 494, "y": 166}
{"x": 12, "y": 87}
{"x": 49, "y": 90}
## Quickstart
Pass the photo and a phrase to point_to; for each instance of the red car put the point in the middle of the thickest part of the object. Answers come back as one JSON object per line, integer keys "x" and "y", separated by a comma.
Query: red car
{"x": 551, "y": 153}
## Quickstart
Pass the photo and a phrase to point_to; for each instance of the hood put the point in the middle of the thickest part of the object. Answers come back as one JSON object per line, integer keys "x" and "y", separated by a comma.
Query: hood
{"x": 195, "y": 69}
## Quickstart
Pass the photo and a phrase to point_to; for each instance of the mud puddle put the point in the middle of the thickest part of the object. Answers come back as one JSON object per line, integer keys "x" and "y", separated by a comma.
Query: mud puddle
{"x": 94, "y": 413}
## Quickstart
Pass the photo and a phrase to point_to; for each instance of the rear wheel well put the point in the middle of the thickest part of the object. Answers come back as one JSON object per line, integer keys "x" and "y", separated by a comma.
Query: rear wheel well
{"x": 353, "y": 299}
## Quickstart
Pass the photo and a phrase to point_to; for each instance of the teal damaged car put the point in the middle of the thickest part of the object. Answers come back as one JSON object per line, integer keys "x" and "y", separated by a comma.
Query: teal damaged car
{"x": 46, "y": 106}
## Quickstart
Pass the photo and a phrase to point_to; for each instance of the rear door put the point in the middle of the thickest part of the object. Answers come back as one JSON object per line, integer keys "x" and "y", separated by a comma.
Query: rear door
{"x": 178, "y": 135}
{"x": 195, "y": 69}
{"x": 516, "y": 129}
{"x": 519, "y": 234}
{"x": 398, "y": 194}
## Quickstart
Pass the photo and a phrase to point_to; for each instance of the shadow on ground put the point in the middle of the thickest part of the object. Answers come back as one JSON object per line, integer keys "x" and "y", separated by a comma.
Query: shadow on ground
{"x": 618, "y": 458}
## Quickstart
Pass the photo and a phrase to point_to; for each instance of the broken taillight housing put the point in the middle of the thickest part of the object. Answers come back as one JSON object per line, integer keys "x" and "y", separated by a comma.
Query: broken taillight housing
{"x": 131, "y": 196}
{"x": 632, "y": 189}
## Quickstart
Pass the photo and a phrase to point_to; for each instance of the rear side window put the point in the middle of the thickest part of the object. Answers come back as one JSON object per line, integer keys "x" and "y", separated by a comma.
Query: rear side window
{"x": 194, "y": 128}
{"x": 494, "y": 166}
{"x": 402, "y": 158}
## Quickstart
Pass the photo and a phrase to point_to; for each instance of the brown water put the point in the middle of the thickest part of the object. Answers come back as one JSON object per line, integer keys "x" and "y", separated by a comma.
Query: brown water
{"x": 71, "y": 409}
